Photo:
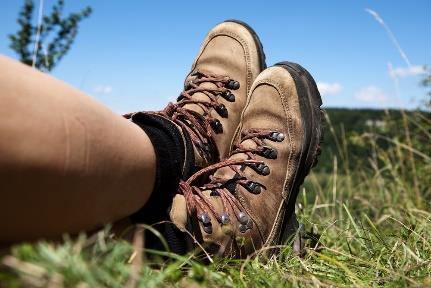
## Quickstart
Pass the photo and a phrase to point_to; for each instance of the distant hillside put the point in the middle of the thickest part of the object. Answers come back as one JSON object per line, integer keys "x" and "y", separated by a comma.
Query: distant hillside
{"x": 350, "y": 126}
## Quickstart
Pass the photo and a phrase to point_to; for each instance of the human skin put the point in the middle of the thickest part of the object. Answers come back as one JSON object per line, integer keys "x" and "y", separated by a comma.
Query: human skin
{"x": 67, "y": 163}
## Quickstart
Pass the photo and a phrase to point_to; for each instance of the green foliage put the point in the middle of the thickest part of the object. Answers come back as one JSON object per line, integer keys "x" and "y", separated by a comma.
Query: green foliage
{"x": 53, "y": 38}
{"x": 427, "y": 83}
{"x": 349, "y": 134}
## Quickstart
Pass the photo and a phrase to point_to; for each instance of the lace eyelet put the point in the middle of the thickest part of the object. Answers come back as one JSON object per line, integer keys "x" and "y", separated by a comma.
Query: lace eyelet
{"x": 243, "y": 227}
{"x": 262, "y": 169}
{"x": 268, "y": 152}
{"x": 205, "y": 219}
{"x": 232, "y": 84}
{"x": 228, "y": 95}
{"x": 222, "y": 110}
{"x": 188, "y": 85}
{"x": 217, "y": 126}
{"x": 225, "y": 219}
{"x": 253, "y": 187}
{"x": 276, "y": 136}
{"x": 208, "y": 229}
{"x": 243, "y": 218}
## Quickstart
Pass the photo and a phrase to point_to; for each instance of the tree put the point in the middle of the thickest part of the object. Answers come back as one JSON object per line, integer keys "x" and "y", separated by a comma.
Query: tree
{"x": 44, "y": 45}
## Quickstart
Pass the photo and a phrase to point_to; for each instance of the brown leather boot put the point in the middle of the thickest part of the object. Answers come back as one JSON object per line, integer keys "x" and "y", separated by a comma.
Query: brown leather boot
{"x": 198, "y": 129}
{"x": 215, "y": 90}
{"x": 250, "y": 197}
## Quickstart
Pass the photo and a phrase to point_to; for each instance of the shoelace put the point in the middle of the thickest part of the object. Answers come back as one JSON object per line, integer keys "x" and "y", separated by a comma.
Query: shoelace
{"x": 198, "y": 204}
{"x": 202, "y": 127}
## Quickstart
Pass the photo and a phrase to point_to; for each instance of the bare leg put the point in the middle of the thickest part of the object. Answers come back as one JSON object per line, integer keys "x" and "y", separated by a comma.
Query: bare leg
{"x": 67, "y": 163}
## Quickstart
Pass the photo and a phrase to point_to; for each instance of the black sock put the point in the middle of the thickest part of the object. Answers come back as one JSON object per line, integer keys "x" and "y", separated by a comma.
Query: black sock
{"x": 171, "y": 147}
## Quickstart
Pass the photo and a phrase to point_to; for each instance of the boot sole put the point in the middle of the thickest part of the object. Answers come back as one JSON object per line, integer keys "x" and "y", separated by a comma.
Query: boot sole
{"x": 256, "y": 41}
{"x": 309, "y": 102}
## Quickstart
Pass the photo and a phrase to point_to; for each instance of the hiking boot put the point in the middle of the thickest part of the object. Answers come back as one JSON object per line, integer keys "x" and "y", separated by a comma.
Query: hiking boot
{"x": 249, "y": 200}
{"x": 215, "y": 91}
{"x": 198, "y": 129}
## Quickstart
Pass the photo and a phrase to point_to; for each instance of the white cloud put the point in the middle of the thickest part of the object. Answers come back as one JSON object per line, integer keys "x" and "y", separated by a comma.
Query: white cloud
{"x": 102, "y": 89}
{"x": 371, "y": 94}
{"x": 402, "y": 72}
{"x": 329, "y": 88}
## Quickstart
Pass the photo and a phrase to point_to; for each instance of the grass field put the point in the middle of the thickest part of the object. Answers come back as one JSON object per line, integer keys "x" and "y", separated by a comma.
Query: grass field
{"x": 369, "y": 225}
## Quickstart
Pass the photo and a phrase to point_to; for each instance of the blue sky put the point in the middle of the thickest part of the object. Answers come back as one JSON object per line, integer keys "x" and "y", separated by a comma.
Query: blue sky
{"x": 134, "y": 55}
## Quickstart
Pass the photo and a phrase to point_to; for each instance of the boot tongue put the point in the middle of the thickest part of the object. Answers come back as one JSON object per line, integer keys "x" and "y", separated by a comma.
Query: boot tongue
{"x": 200, "y": 96}
{"x": 226, "y": 172}
{"x": 199, "y": 161}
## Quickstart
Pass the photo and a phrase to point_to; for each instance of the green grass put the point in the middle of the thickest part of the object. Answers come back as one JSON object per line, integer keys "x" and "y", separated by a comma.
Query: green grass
{"x": 374, "y": 223}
